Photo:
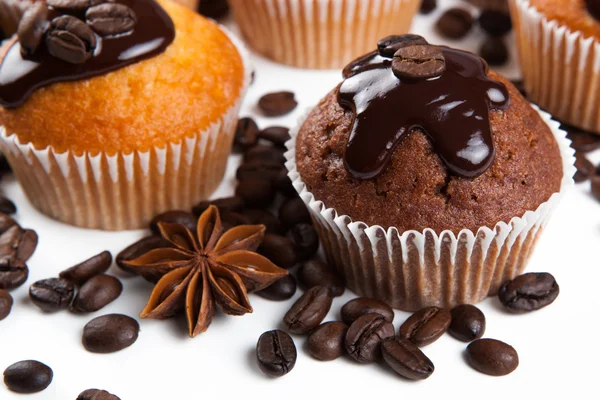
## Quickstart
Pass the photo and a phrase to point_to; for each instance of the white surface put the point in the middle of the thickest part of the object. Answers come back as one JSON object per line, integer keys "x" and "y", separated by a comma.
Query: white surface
{"x": 558, "y": 347}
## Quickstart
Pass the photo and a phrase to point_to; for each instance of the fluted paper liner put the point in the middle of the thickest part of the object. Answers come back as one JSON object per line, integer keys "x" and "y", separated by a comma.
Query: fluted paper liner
{"x": 561, "y": 68}
{"x": 411, "y": 270}
{"x": 11, "y": 12}
{"x": 125, "y": 191}
{"x": 320, "y": 34}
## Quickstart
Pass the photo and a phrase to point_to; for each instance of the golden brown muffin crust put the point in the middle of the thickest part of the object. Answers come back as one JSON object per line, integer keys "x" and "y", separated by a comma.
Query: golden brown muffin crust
{"x": 416, "y": 191}
{"x": 571, "y": 13}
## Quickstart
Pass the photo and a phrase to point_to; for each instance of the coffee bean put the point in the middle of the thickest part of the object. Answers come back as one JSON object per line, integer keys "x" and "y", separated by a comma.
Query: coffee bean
{"x": 255, "y": 170}
{"x": 492, "y": 357}
{"x": 455, "y": 23}
{"x": 266, "y": 218}
{"x": 110, "y": 19}
{"x": 73, "y": 5}
{"x": 593, "y": 7}
{"x": 406, "y": 359}
{"x": 184, "y": 218}
{"x": 18, "y": 243}
{"x": 97, "y": 293}
{"x": 468, "y": 323}
{"x": 246, "y": 133}
{"x": 426, "y": 325}
{"x": 494, "y": 51}
{"x": 528, "y": 292}
{"x": 277, "y": 104}
{"x": 110, "y": 333}
{"x": 276, "y": 353}
{"x": 495, "y": 23}
{"x": 316, "y": 273}
{"x": 256, "y": 192}
{"x": 213, "y": 8}
{"x": 138, "y": 249}
{"x": 326, "y": 342}
{"x": 389, "y": 45}
{"x": 7, "y": 206}
{"x": 293, "y": 212}
{"x": 418, "y": 62}
{"x": 279, "y": 249}
{"x": 224, "y": 204}
{"x": 596, "y": 186}
{"x": 84, "y": 271}
{"x": 32, "y": 27}
{"x": 305, "y": 240}
{"x": 427, "y": 6}
{"x": 309, "y": 310}
{"x": 6, "y": 302}
{"x": 52, "y": 294}
{"x": 585, "y": 168}
{"x": 363, "y": 339}
{"x": 70, "y": 40}
{"x": 28, "y": 376}
{"x": 266, "y": 154}
{"x": 283, "y": 184}
{"x": 360, "y": 306}
{"x": 232, "y": 219}
{"x": 278, "y": 135}
{"x": 13, "y": 273}
{"x": 96, "y": 394}
{"x": 6, "y": 223}
{"x": 282, "y": 289}
{"x": 581, "y": 141}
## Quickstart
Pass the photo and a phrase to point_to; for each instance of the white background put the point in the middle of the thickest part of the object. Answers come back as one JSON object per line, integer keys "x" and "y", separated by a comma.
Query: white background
{"x": 558, "y": 346}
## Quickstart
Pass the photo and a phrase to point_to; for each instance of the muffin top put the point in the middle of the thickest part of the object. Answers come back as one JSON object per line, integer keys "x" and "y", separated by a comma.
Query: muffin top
{"x": 417, "y": 188}
{"x": 577, "y": 15}
{"x": 160, "y": 100}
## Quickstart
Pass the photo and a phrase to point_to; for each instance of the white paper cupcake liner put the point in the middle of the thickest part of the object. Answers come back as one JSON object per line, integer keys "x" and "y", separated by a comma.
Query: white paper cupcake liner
{"x": 411, "y": 270}
{"x": 320, "y": 34}
{"x": 561, "y": 68}
{"x": 125, "y": 191}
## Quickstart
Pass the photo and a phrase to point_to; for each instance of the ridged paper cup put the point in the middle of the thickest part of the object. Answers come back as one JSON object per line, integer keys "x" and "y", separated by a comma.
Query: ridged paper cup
{"x": 11, "y": 12}
{"x": 125, "y": 191}
{"x": 561, "y": 68}
{"x": 320, "y": 34}
{"x": 411, "y": 270}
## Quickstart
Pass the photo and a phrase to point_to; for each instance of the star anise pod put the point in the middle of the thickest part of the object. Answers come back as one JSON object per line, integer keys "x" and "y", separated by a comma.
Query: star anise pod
{"x": 200, "y": 270}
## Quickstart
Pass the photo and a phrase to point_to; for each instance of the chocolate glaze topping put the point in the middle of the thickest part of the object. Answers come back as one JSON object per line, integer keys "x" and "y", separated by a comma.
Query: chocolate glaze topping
{"x": 452, "y": 109}
{"x": 21, "y": 75}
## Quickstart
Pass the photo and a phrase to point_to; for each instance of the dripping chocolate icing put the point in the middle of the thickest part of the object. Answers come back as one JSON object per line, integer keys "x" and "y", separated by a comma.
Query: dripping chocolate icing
{"x": 452, "y": 109}
{"x": 20, "y": 76}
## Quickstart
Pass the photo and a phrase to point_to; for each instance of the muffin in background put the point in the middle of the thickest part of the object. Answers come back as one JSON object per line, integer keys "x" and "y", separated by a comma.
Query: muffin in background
{"x": 319, "y": 34}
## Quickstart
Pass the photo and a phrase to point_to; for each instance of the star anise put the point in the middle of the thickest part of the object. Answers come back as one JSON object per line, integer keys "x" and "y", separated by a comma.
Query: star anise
{"x": 200, "y": 270}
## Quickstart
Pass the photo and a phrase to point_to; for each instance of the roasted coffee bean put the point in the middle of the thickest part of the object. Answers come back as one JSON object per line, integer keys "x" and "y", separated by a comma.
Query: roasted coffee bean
{"x": 427, "y": 6}
{"x": 70, "y": 40}
{"x": 213, "y": 8}
{"x": 73, "y": 5}
{"x": 305, "y": 240}
{"x": 110, "y": 19}
{"x": 389, "y": 45}
{"x": 309, "y": 310}
{"x": 256, "y": 192}
{"x": 18, "y": 243}
{"x": 52, "y": 294}
{"x": 97, "y": 293}
{"x": 276, "y": 353}
{"x": 13, "y": 273}
{"x": 528, "y": 292}
{"x": 28, "y": 376}
{"x": 278, "y": 135}
{"x": 184, "y": 218}
{"x": 7, "y": 206}
{"x": 84, "y": 271}
{"x": 277, "y": 104}
{"x": 266, "y": 218}
{"x": 582, "y": 142}
{"x": 316, "y": 273}
{"x": 455, "y": 23}
{"x": 6, "y": 302}
{"x": 293, "y": 212}
{"x": 223, "y": 204}
{"x": 283, "y": 184}
{"x": 232, "y": 219}
{"x": 32, "y": 27}
{"x": 418, "y": 62}
{"x": 360, "y": 306}
{"x": 282, "y": 289}
{"x": 138, "y": 249}
{"x": 495, "y": 23}
{"x": 363, "y": 339}
{"x": 4, "y": 165}
{"x": 258, "y": 170}
{"x": 596, "y": 186}
{"x": 246, "y": 133}
{"x": 468, "y": 323}
{"x": 406, "y": 359}
{"x": 279, "y": 249}
{"x": 96, "y": 394}
{"x": 492, "y": 357}
{"x": 6, "y": 223}
{"x": 326, "y": 342}
{"x": 426, "y": 325}
{"x": 585, "y": 168}
{"x": 110, "y": 333}
{"x": 494, "y": 51}
{"x": 266, "y": 154}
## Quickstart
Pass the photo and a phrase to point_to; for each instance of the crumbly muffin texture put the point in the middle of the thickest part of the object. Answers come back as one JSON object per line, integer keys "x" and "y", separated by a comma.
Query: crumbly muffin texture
{"x": 570, "y": 13}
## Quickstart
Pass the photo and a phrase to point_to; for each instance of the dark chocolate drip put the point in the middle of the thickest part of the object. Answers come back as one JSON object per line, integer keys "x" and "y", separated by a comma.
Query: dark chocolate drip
{"x": 452, "y": 109}
{"x": 20, "y": 77}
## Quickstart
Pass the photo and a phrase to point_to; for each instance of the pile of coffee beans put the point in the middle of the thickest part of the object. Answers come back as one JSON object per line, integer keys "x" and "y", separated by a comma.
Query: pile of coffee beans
{"x": 277, "y": 104}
